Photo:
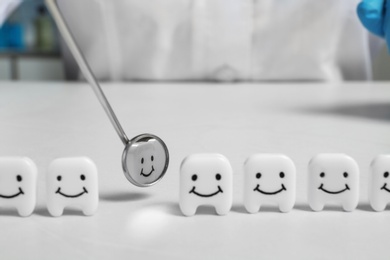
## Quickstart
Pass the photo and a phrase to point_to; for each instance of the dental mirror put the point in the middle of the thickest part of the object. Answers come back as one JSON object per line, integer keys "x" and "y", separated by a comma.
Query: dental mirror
{"x": 145, "y": 158}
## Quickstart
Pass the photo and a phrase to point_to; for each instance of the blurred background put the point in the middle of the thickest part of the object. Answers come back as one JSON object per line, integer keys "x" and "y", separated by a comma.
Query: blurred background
{"x": 31, "y": 47}
{"x": 29, "y": 43}
{"x": 381, "y": 65}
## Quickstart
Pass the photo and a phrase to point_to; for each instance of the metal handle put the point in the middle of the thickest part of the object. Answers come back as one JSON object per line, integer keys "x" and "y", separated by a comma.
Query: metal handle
{"x": 85, "y": 69}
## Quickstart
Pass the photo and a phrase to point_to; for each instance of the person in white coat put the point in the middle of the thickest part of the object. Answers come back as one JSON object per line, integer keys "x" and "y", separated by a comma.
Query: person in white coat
{"x": 223, "y": 40}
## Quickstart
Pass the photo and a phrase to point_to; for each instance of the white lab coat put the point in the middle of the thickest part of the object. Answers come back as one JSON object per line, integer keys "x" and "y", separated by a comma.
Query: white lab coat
{"x": 6, "y": 9}
{"x": 249, "y": 40}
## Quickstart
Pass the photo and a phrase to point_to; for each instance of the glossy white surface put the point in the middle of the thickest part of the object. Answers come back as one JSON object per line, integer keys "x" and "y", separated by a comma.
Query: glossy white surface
{"x": 269, "y": 178}
{"x": 72, "y": 182}
{"x": 206, "y": 179}
{"x": 47, "y": 121}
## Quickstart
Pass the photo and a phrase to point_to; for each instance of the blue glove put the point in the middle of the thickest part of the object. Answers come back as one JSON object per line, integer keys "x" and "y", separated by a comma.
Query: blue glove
{"x": 373, "y": 15}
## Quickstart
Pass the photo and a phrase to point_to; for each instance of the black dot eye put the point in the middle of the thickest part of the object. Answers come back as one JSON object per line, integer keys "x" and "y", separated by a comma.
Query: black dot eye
{"x": 386, "y": 174}
{"x": 345, "y": 174}
{"x": 194, "y": 177}
{"x": 218, "y": 176}
{"x": 322, "y": 174}
{"x": 281, "y": 174}
{"x": 59, "y": 178}
{"x": 152, "y": 158}
{"x": 258, "y": 175}
{"x": 142, "y": 160}
{"x": 82, "y": 177}
{"x": 19, "y": 178}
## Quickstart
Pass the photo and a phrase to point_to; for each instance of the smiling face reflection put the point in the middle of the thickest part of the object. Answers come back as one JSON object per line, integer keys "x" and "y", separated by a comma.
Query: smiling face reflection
{"x": 145, "y": 161}
{"x": 149, "y": 170}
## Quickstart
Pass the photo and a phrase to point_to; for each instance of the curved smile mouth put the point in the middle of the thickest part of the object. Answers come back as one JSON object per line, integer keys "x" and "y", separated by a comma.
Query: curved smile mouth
{"x": 385, "y": 188}
{"x": 12, "y": 196}
{"x": 147, "y": 175}
{"x": 71, "y": 196}
{"x": 206, "y": 195}
{"x": 269, "y": 193}
{"x": 333, "y": 192}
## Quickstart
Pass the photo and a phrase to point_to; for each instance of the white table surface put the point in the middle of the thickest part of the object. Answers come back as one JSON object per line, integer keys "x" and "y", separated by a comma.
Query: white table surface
{"x": 45, "y": 121}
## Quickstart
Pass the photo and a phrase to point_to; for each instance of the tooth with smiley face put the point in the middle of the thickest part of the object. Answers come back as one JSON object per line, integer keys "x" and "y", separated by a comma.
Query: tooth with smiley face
{"x": 18, "y": 180}
{"x": 379, "y": 182}
{"x": 333, "y": 178}
{"x": 269, "y": 178}
{"x": 72, "y": 182}
{"x": 206, "y": 179}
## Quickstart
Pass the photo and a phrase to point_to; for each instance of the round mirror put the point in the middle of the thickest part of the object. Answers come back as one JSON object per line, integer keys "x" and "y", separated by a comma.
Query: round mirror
{"x": 145, "y": 160}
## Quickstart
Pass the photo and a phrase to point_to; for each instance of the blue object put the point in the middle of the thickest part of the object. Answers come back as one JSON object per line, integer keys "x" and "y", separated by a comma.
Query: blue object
{"x": 372, "y": 14}
{"x": 3, "y": 37}
{"x": 11, "y": 36}
{"x": 375, "y": 16}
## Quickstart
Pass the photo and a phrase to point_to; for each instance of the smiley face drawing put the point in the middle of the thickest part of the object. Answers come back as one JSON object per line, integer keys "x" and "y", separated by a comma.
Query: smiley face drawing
{"x": 269, "y": 178}
{"x": 333, "y": 178}
{"x": 379, "y": 182}
{"x": 72, "y": 182}
{"x": 206, "y": 179}
{"x": 18, "y": 180}
{"x": 145, "y": 161}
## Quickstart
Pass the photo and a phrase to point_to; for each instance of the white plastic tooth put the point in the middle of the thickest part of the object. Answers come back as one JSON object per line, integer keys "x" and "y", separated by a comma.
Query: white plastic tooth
{"x": 269, "y": 178}
{"x": 379, "y": 182}
{"x": 333, "y": 178}
{"x": 18, "y": 181}
{"x": 206, "y": 179}
{"x": 72, "y": 182}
